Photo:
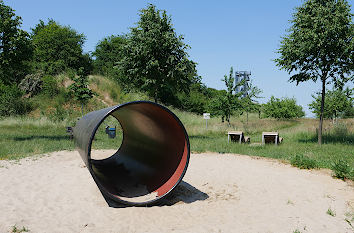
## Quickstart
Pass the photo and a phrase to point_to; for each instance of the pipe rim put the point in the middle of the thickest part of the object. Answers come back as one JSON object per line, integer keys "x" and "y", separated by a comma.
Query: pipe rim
{"x": 102, "y": 188}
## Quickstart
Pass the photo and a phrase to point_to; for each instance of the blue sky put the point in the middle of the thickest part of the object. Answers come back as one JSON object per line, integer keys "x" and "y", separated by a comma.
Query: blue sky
{"x": 242, "y": 34}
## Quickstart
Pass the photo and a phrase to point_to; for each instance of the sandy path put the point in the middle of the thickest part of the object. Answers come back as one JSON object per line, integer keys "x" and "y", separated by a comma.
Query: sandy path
{"x": 220, "y": 193}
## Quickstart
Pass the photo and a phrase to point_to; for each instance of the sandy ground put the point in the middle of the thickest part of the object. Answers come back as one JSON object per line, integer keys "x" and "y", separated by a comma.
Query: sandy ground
{"x": 220, "y": 193}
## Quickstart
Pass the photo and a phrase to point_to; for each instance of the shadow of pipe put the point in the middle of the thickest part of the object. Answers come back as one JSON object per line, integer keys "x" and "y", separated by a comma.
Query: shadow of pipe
{"x": 183, "y": 193}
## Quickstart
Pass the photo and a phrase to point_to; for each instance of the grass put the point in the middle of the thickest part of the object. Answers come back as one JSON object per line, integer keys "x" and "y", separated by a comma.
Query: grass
{"x": 43, "y": 130}
{"x": 331, "y": 212}
{"x": 19, "y": 230}
{"x": 20, "y": 137}
{"x": 303, "y": 162}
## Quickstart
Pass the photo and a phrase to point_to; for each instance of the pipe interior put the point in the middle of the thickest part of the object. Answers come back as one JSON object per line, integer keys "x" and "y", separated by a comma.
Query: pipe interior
{"x": 151, "y": 151}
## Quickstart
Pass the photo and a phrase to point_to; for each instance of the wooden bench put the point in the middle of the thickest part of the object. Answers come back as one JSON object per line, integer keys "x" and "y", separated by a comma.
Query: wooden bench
{"x": 271, "y": 137}
{"x": 237, "y": 136}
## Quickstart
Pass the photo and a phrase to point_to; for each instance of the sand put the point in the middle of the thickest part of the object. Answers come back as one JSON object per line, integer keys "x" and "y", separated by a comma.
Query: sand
{"x": 220, "y": 193}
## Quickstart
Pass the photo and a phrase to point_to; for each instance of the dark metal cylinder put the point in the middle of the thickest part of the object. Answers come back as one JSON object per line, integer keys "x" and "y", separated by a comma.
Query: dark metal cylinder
{"x": 151, "y": 160}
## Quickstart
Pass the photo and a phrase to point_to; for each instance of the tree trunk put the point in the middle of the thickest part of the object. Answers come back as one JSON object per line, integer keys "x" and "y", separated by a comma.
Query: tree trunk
{"x": 322, "y": 107}
{"x": 247, "y": 117}
{"x": 155, "y": 95}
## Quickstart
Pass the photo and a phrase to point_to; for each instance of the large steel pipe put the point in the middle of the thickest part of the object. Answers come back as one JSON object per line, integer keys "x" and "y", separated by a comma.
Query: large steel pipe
{"x": 151, "y": 160}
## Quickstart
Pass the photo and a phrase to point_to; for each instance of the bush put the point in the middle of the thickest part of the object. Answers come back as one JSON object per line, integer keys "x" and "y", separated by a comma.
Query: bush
{"x": 49, "y": 86}
{"x": 342, "y": 170}
{"x": 11, "y": 102}
{"x": 32, "y": 83}
{"x": 285, "y": 108}
{"x": 58, "y": 113}
{"x": 303, "y": 162}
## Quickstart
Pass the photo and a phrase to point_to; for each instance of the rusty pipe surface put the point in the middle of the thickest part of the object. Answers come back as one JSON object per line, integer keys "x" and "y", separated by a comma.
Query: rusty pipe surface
{"x": 151, "y": 160}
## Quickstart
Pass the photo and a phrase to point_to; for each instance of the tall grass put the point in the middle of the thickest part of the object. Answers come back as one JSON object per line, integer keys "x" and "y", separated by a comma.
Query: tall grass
{"x": 43, "y": 131}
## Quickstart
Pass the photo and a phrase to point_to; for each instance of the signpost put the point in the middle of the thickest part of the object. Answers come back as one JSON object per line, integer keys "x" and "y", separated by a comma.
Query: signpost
{"x": 206, "y": 116}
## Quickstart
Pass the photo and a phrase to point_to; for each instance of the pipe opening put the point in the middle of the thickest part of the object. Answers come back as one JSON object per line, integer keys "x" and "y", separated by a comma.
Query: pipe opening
{"x": 151, "y": 158}
{"x": 105, "y": 130}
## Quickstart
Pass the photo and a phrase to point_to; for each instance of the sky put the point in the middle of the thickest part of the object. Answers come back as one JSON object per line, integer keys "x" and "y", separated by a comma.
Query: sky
{"x": 241, "y": 34}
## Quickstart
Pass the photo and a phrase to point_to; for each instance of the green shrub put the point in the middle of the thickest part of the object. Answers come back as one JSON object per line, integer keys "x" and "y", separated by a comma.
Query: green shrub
{"x": 342, "y": 169}
{"x": 58, "y": 114}
{"x": 32, "y": 83}
{"x": 284, "y": 108}
{"x": 303, "y": 162}
{"x": 49, "y": 86}
{"x": 11, "y": 101}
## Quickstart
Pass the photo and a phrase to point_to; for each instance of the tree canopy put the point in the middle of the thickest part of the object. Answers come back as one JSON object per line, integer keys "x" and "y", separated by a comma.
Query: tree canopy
{"x": 108, "y": 53}
{"x": 284, "y": 108}
{"x": 319, "y": 45}
{"x": 15, "y": 47}
{"x": 155, "y": 59}
{"x": 58, "y": 48}
{"x": 339, "y": 103}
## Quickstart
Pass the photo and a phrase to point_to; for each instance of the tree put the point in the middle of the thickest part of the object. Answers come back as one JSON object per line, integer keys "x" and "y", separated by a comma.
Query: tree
{"x": 227, "y": 104}
{"x": 195, "y": 100}
{"x": 80, "y": 89}
{"x": 320, "y": 46}
{"x": 285, "y": 108}
{"x": 339, "y": 103}
{"x": 155, "y": 58}
{"x": 249, "y": 103}
{"x": 108, "y": 54}
{"x": 15, "y": 47}
{"x": 58, "y": 48}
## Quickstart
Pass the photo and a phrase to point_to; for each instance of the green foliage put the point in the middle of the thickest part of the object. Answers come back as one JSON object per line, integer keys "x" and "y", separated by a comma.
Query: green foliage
{"x": 58, "y": 48}
{"x": 319, "y": 46}
{"x": 58, "y": 113}
{"x": 18, "y": 230}
{"x": 320, "y": 42}
{"x": 331, "y": 212}
{"x": 79, "y": 88}
{"x": 303, "y": 162}
{"x": 339, "y": 103}
{"x": 226, "y": 104}
{"x": 285, "y": 108}
{"x": 15, "y": 47}
{"x": 49, "y": 86}
{"x": 11, "y": 102}
{"x": 32, "y": 83}
{"x": 342, "y": 169}
{"x": 155, "y": 58}
{"x": 109, "y": 53}
{"x": 193, "y": 101}
{"x": 249, "y": 103}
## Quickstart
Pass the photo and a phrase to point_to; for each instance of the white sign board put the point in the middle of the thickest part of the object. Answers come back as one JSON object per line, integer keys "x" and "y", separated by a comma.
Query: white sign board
{"x": 206, "y": 116}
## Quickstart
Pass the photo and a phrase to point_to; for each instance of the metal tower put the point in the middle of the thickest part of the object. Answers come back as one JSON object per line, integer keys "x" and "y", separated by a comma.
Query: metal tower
{"x": 244, "y": 78}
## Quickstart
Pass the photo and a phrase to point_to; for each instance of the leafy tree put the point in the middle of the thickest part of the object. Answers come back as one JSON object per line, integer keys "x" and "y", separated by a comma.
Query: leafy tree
{"x": 249, "y": 103}
{"x": 155, "y": 58}
{"x": 285, "y": 108}
{"x": 339, "y": 103}
{"x": 227, "y": 104}
{"x": 58, "y": 48}
{"x": 80, "y": 89}
{"x": 108, "y": 53}
{"x": 15, "y": 47}
{"x": 320, "y": 46}
{"x": 194, "y": 101}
